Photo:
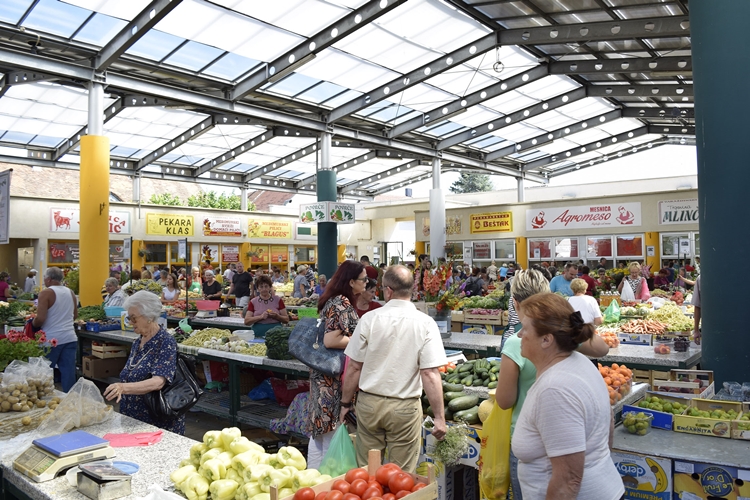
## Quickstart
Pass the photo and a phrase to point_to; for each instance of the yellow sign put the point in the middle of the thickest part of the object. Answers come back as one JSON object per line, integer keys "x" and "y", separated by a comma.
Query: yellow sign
{"x": 169, "y": 224}
{"x": 493, "y": 222}
{"x": 269, "y": 229}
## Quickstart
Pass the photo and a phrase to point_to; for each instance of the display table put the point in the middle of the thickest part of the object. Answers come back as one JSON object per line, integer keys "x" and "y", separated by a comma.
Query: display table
{"x": 227, "y": 323}
{"x": 488, "y": 345}
{"x": 638, "y": 357}
{"x": 156, "y": 463}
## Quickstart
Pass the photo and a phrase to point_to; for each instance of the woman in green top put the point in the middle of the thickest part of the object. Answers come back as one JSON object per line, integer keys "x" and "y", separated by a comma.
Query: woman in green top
{"x": 195, "y": 283}
{"x": 517, "y": 373}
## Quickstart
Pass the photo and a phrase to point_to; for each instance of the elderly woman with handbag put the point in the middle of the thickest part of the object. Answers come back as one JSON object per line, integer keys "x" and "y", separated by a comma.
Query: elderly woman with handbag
{"x": 151, "y": 365}
{"x": 336, "y": 308}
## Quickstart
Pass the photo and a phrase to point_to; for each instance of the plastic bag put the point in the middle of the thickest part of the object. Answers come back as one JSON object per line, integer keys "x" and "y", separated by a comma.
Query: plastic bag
{"x": 340, "y": 457}
{"x": 82, "y": 406}
{"x": 627, "y": 293}
{"x": 494, "y": 454}
{"x": 612, "y": 312}
{"x": 263, "y": 391}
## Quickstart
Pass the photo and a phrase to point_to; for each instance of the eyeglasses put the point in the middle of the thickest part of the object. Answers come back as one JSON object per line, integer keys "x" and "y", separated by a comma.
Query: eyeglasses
{"x": 131, "y": 319}
{"x": 363, "y": 280}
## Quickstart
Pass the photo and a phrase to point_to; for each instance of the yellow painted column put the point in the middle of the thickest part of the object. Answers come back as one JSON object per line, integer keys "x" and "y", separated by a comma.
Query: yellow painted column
{"x": 138, "y": 261}
{"x": 419, "y": 249}
{"x": 94, "y": 231}
{"x": 522, "y": 252}
{"x": 244, "y": 248}
{"x": 341, "y": 254}
{"x": 652, "y": 239}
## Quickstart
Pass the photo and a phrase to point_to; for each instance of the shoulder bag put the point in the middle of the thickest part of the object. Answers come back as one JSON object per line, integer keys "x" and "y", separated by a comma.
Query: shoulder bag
{"x": 175, "y": 399}
{"x": 306, "y": 344}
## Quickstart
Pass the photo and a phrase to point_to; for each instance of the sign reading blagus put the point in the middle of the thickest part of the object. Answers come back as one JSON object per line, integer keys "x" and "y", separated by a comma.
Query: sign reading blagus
{"x": 494, "y": 222}
{"x": 269, "y": 229}
{"x": 169, "y": 225}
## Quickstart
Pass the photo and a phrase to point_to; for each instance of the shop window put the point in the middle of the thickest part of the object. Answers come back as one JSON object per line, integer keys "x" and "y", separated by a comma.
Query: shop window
{"x": 566, "y": 248}
{"x": 505, "y": 249}
{"x": 540, "y": 249}
{"x": 482, "y": 250}
{"x": 63, "y": 253}
{"x": 598, "y": 246}
{"x": 670, "y": 244}
{"x": 454, "y": 250}
{"x": 697, "y": 245}
{"x": 173, "y": 254}
{"x": 157, "y": 253}
{"x": 304, "y": 254}
{"x": 629, "y": 246}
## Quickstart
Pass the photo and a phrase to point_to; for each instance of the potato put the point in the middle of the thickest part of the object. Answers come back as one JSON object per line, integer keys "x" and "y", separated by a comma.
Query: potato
{"x": 26, "y": 421}
{"x": 41, "y": 404}
{"x": 5, "y": 405}
{"x": 13, "y": 400}
{"x": 16, "y": 407}
{"x": 52, "y": 406}
{"x": 16, "y": 393}
{"x": 25, "y": 408}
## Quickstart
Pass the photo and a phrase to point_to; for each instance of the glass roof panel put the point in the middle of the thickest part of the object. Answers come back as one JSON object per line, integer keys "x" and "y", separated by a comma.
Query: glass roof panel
{"x": 304, "y": 17}
{"x": 57, "y": 18}
{"x": 524, "y": 23}
{"x": 321, "y": 92}
{"x": 499, "y": 10}
{"x": 12, "y": 10}
{"x": 583, "y": 17}
{"x": 518, "y": 132}
{"x": 231, "y": 66}
{"x": 122, "y": 151}
{"x": 340, "y": 99}
{"x": 423, "y": 97}
{"x": 476, "y": 116}
{"x": 114, "y": 8}
{"x": 586, "y": 108}
{"x": 509, "y": 102}
{"x": 155, "y": 45}
{"x": 486, "y": 142}
{"x": 461, "y": 80}
{"x": 389, "y": 113}
{"x": 292, "y": 85}
{"x": 99, "y": 30}
{"x": 588, "y": 135}
{"x": 347, "y": 70}
{"x": 17, "y": 137}
{"x": 193, "y": 56}
{"x": 442, "y": 130}
{"x": 550, "y": 120}
{"x": 548, "y": 87}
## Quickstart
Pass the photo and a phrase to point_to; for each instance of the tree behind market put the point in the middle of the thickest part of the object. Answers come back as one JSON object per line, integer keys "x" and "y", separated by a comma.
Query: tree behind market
{"x": 472, "y": 183}
{"x": 208, "y": 199}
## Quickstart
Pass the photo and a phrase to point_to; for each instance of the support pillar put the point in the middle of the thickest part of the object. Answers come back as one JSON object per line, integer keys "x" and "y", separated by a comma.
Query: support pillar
{"x": 437, "y": 215}
{"x": 137, "y": 188}
{"x": 243, "y": 199}
{"x": 521, "y": 192}
{"x": 94, "y": 196}
{"x": 652, "y": 240}
{"x": 326, "y": 189}
{"x": 721, "y": 70}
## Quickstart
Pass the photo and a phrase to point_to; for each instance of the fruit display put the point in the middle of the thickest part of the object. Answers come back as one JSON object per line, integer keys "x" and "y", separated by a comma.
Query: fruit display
{"x": 26, "y": 396}
{"x": 618, "y": 379}
{"x": 609, "y": 337}
{"x": 643, "y": 326}
{"x": 664, "y": 405}
{"x": 744, "y": 422}
{"x": 89, "y": 313}
{"x": 715, "y": 414}
{"x": 635, "y": 310}
{"x": 479, "y": 302}
{"x": 637, "y": 423}
{"x": 662, "y": 347}
{"x": 661, "y": 293}
{"x": 293, "y": 301}
{"x": 277, "y": 342}
{"x": 282, "y": 288}
{"x": 136, "y": 286}
{"x": 673, "y": 317}
{"x": 191, "y": 295}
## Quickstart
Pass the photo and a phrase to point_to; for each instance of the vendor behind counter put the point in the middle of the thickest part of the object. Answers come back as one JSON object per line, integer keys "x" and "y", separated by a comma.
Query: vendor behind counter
{"x": 267, "y": 310}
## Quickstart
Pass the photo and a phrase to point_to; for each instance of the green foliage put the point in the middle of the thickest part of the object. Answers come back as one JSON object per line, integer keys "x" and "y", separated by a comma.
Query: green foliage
{"x": 165, "y": 199}
{"x": 72, "y": 280}
{"x": 472, "y": 183}
{"x": 211, "y": 199}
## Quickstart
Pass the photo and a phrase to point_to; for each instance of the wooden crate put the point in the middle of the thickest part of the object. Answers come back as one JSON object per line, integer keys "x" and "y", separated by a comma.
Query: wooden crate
{"x": 484, "y": 319}
{"x": 106, "y": 351}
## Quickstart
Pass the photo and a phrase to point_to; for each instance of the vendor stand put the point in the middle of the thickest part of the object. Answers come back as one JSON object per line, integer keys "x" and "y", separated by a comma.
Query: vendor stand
{"x": 644, "y": 358}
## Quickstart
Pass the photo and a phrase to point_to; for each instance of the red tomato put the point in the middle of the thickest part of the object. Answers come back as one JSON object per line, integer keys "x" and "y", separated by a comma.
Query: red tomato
{"x": 351, "y": 496}
{"x": 334, "y": 495}
{"x": 384, "y": 473}
{"x": 389, "y": 496}
{"x": 358, "y": 487}
{"x": 341, "y": 485}
{"x": 376, "y": 485}
{"x": 371, "y": 492}
{"x": 356, "y": 474}
{"x": 305, "y": 494}
{"x": 401, "y": 481}
{"x": 321, "y": 496}
{"x": 402, "y": 494}
{"x": 418, "y": 486}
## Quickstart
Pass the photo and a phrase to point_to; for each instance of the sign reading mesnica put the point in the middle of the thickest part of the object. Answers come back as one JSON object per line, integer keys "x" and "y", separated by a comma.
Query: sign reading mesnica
{"x": 678, "y": 211}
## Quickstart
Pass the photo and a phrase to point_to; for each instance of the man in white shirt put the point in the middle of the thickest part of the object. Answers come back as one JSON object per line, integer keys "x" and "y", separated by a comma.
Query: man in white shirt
{"x": 229, "y": 273}
{"x": 394, "y": 352}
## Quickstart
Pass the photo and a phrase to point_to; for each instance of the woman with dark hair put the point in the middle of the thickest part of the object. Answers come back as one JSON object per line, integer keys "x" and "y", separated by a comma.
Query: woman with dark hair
{"x": 336, "y": 307}
{"x": 590, "y": 282}
{"x": 267, "y": 310}
{"x": 424, "y": 268}
{"x": 564, "y": 429}
{"x": 365, "y": 301}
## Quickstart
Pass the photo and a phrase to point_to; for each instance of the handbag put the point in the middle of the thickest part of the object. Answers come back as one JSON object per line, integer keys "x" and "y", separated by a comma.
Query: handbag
{"x": 175, "y": 399}
{"x": 306, "y": 344}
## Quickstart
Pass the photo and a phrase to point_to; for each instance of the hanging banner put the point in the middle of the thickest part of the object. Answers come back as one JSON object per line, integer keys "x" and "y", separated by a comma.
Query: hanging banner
{"x": 222, "y": 226}
{"x": 117, "y": 253}
{"x": 279, "y": 253}
{"x": 342, "y": 213}
{"x": 63, "y": 253}
{"x": 169, "y": 224}
{"x": 5, "y": 207}
{"x": 327, "y": 211}
{"x": 313, "y": 212}
{"x": 624, "y": 215}
{"x": 182, "y": 249}
{"x": 678, "y": 211}
{"x": 493, "y": 222}
{"x": 269, "y": 229}
{"x": 67, "y": 220}
{"x": 209, "y": 253}
{"x": 126, "y": 246}
{"x": 230, "y": 253}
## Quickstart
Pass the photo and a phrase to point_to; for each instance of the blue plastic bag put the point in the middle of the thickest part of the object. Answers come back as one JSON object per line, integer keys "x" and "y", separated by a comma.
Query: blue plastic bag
{"x": 263, "y": 391}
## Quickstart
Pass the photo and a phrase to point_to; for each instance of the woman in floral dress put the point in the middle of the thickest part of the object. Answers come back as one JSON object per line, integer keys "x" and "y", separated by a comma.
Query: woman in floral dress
{"x": 336, "y": 306}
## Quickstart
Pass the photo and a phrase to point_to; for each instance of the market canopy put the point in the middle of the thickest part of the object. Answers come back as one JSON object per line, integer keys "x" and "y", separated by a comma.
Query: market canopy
{"x": 237, "y": 92}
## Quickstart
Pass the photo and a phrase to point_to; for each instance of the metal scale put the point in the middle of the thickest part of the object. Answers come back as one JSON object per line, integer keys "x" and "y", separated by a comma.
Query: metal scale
{"x": 206, "y": 314}
{"x": 49, "y": 456}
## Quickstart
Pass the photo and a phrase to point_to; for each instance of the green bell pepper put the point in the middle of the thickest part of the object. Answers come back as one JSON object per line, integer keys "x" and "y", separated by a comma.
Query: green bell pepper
{"x": 289, "y": 455}
{"x": 212, "y": 439}
{"x": 213, "y": 470}
{"x": 223, "y": 489}
{"x": 228, "y": 435}
{"x": 304, "y": 479}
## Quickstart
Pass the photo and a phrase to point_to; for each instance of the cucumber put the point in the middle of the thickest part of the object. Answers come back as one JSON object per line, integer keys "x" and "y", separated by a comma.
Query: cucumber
{"x": 495, "y": 369}
{"x": 442, "y": 375}
{"x": 481, "y": 373}
{"x": 448, "y": 396}
{"x": 492, "y": 385}
{"x": 470, "y": 416}
{"x": 468, "y": 380}
{"x": 429, "y": 412}
{"x": 477, "y": 382}
{"x": 448, "y": 414}
{"x": 452, "y": 387}
{"x": 466, "y": 367}
{"x": 493, "y": 377}
{"x": 463, "y": 403}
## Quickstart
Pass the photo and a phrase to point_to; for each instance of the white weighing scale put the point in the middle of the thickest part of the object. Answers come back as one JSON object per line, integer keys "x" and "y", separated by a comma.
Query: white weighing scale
{"x": 206, "y": 314}
{"x": 49, "y": 456}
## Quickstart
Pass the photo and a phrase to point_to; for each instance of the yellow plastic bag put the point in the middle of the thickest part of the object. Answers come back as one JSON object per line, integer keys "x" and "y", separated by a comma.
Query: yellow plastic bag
{"x": 494, "y": 454}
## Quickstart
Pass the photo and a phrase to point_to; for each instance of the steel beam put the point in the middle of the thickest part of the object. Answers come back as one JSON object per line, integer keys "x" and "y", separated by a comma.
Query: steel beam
{"x": 309, "y": 180}
{"x": 193, "y": 132}
{"x": 280, "y": 163}
{"x": 412, "y": 78}
{"x": 671, "y": 129}
{"x": 133, "y": 31}
{"x": 459, "y": 105}
{"x": 629, "y": 65}
{"x": 660, "y": 27}
{"x": 357, "y": 185}
{"x": 609, "y": 156}
{"x": 548, "y": 137}
{"x": 654, "y": 91}
{"x": 306, "y": 50}
{"x": 235, "y": 152}
{"x": 21, "y": 77}
{"x": 579, "y": 150}
{"x": 666, "y": 113}
{"x": 71, "y": 142}
{"x": 515, "y": 117}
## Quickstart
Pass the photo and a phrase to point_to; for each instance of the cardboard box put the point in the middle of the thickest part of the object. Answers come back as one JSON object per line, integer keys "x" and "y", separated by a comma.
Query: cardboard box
{"x": 662, "y": 420}
{"x": 709, "y": 482}
{"x": 644, "y": 476}
{"x": 741, "y": 428}
{"x": 456, "y": 326}
{"x": 484, "y": 329}
{"x": 102, "y": 368}
{"x": 707, "y": 426}
{"x": 635, "y": 338}
{"x": 471, "y": 458}
{"x": 687, "y": 383}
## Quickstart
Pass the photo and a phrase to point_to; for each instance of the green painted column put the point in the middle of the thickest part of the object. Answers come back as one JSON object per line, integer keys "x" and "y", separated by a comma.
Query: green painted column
{"x": 721, "y": 72}
{"x": 326, "y": 189}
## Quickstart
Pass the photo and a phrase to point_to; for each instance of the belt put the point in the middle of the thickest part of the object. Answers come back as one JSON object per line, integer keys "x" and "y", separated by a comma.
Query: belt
{"x": 386, "y": 397}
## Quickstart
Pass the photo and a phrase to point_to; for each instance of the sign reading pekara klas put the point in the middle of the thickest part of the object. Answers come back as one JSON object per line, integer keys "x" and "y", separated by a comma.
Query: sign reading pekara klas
{"x": 678, "y": 211}
{"x": 169, "y": 225}
{"x": 623, "y": 215}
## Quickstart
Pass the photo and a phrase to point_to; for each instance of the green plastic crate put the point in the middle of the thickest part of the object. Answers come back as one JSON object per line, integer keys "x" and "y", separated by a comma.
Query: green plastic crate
{"x": 307, "y": 312}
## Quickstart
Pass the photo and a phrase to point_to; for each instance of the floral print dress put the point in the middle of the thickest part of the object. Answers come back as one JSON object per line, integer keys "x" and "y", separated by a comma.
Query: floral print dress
{"x": 155, "y": 358}
{"x": 324, "y": 403}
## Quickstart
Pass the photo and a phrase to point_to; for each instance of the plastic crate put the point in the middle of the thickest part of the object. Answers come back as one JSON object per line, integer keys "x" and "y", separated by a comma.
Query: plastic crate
{"x": 307, "y": 312}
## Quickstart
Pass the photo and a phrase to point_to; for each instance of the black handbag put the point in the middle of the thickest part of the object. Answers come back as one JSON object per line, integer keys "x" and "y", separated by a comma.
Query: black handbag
{"x": 306, "y": 344}
{"x": 175, "y": 399}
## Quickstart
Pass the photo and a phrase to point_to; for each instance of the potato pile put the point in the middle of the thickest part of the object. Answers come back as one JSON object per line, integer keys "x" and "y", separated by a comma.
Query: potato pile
{"x": 26, "y": 395}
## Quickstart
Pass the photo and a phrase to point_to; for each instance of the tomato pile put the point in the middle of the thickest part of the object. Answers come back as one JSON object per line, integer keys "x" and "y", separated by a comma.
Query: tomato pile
{"x": 388, "y": 483}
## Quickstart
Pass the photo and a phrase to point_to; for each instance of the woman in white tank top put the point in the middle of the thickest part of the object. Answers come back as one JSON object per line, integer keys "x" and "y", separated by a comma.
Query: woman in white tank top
{"x": 171, "y": 292}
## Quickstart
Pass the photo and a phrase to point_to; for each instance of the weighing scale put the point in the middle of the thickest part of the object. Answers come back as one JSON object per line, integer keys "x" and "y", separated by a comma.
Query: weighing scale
{"x": 206, "y": 314}
{"x": 49, "y": 456}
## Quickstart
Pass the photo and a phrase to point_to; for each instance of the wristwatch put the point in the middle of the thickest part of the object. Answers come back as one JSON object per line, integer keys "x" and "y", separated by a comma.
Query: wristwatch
{"x": 346, "y": 405}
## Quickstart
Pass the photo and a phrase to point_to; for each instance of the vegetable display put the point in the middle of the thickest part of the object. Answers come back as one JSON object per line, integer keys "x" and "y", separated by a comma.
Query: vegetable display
{"x": 671, "y": 315}
{"x": 618, "y": 379}
{"x": 198, "y": 337}
{"x": 644, "y": 326}
{"x": 277, "y": 342}
{"x": 455, "y": 445}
